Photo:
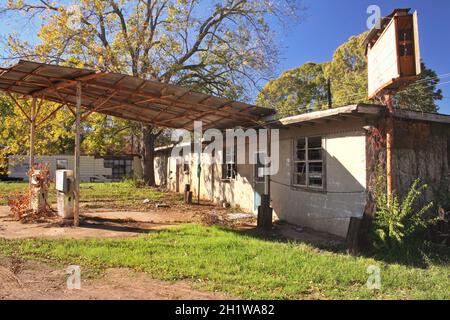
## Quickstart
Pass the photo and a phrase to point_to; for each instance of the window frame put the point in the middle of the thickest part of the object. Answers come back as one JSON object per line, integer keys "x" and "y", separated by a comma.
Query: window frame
{"x": 229, "y": 168}
{"x": 307, "y": 163}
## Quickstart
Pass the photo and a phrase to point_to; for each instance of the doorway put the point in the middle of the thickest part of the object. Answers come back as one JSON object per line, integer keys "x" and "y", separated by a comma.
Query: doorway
{"x": 259, "y": 180}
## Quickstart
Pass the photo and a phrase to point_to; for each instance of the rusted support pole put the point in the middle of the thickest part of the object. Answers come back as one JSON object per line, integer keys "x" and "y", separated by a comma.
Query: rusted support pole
{"x": 32, "y": 131}
{"x": 76, "y": 215}
{"x": 32, "y": 134}
{"x": 389, "y": 147}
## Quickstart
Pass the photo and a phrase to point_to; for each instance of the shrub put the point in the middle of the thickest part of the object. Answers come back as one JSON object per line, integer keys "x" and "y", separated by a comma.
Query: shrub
{"x": 398, "y": 224}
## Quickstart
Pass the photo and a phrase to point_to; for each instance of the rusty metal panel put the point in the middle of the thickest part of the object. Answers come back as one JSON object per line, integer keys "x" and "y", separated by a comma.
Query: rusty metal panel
{"x": 128, "y": 97}
{"x": 416, "y": 42}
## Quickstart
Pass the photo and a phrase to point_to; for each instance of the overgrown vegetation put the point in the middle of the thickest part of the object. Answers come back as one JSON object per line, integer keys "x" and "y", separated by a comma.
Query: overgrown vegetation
{"x": 244, "y": 266}
{"x": 399, "y": 224}
{"x": 24, "y": 206}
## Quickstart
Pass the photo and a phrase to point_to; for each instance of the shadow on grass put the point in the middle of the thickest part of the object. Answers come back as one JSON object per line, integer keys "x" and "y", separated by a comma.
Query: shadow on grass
{"x": 309, "y": 237}
{"x": 116, "y": 225}
{"x": 419, "y": 256}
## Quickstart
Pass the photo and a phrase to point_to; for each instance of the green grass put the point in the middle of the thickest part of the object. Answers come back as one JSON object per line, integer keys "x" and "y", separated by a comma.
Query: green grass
{"x": 241, "y": 265}
{"x": 114, "y": 193}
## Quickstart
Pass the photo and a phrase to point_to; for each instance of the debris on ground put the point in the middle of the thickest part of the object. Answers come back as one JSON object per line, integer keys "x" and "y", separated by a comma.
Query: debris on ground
{"x": 146, "y": 201}
{"x": 226, "y": 205}
{"x": 211, "y": 218}
{"x": 162, "y": 205}
{"x": 239, "y": 216}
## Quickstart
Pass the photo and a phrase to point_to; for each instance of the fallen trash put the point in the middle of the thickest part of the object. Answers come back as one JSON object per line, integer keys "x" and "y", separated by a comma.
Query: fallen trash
{"x": 238, "y": 216}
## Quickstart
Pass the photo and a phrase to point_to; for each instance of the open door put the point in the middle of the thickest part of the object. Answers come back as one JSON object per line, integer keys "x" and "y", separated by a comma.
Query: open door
{"x": 259, "y": 180}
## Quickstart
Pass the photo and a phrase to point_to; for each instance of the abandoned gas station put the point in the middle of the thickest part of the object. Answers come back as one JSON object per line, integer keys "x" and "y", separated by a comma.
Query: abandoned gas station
{"x": 328, "y": 159}
{"x": 118, "y": 95}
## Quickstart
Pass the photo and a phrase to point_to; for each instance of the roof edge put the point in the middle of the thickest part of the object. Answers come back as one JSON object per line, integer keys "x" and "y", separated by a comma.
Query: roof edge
{"x": 354, "y": 108}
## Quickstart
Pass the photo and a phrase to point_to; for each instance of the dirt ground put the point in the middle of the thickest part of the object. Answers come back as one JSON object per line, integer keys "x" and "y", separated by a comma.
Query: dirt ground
{"x": 30, "y": 280}
{"x": 101, "y": 223}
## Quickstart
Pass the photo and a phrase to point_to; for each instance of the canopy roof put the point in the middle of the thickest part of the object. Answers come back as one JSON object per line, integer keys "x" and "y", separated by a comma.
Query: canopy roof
{"x": 128, "y": 97}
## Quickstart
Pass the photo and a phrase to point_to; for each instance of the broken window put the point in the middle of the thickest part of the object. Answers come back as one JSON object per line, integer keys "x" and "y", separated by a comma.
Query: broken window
{"x": 308, "y": 163}
{"x": 229, "y": 168}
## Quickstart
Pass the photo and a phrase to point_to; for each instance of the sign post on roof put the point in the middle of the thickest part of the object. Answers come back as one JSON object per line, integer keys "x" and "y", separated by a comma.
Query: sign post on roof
{"x": 393, "y": 54}
{"x": 393, "y": 61}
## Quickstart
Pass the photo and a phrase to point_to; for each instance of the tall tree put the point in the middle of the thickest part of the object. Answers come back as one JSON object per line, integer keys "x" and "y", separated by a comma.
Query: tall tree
{"x": 348, "y": 72}
{"x": 53, "y": 130}
{"x": 296, "y": 91}
{"x": 216, "y": 46}
{"x": 421, "y": 95}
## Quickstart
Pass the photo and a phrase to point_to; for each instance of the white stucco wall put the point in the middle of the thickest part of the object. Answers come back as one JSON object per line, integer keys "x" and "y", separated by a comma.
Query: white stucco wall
{"x": 238, "y": 192}
{"x": 344, "y": 194}
{"x": 328, "y": 210}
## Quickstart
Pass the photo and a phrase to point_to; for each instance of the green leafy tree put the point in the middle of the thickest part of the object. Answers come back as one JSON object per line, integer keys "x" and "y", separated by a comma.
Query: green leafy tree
{"x": 296, "y": 91}
{"x": 422, "y": 95}
{"x": 348, "y": 72}
{"x": 104, "y": 134}
{"x": 54, "y": 135}
{"x": 218, "y": 47}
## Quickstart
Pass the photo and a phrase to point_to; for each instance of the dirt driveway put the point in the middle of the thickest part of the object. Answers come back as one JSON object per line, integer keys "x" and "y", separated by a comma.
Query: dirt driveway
{"x": 36, "y": 280}
{"x": 103, "y": 223}
{"x": 29, "y": 280}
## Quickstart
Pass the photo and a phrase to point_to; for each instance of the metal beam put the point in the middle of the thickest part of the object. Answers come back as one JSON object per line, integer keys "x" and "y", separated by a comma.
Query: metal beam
{"x": 32, "y": 131}
{"x": 76, "y": 215}
{"x": 66, "y": 83}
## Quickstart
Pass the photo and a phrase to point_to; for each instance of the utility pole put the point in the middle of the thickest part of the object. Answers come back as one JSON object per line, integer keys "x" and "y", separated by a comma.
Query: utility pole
{"x": 389, "y": 145}
{"x": 330, "y": 100}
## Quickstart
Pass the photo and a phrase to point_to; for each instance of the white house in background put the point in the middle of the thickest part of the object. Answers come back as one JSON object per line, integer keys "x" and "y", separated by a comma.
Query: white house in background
{"x": 107, "y": 168}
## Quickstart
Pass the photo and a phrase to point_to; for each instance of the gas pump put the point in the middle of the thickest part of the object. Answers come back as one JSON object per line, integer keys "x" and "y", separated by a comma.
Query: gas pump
{"x": 39, "y": 193}
{"x": 65, "y": 193}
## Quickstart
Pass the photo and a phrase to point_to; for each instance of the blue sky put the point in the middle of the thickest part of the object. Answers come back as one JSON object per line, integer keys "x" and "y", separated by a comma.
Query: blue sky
{"x": 326, "y": 24}
{"x": 329, "y": 23}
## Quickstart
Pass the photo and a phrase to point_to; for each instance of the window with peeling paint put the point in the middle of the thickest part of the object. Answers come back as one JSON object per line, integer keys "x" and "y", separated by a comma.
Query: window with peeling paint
{"x": 308, "y": 163}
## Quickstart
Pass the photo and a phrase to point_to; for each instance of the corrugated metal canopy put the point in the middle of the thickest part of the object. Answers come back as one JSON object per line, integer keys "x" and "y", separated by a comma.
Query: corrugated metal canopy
{"x": 128, "y": 97}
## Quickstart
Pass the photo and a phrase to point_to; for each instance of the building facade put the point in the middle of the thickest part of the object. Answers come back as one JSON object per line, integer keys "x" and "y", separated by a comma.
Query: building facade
{"x": 328, "y": 166}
